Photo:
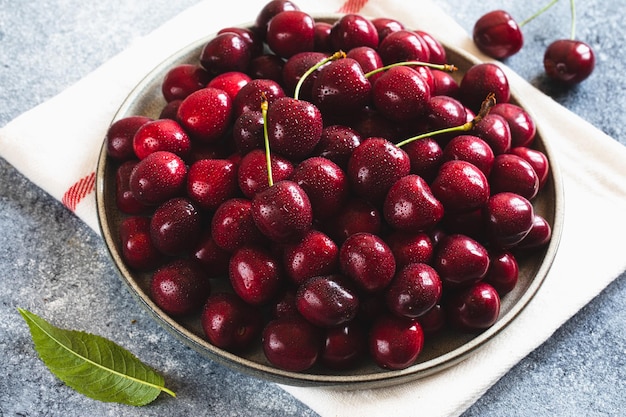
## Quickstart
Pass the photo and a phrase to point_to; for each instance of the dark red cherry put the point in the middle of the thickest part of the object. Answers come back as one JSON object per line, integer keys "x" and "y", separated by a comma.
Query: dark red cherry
{"x": 250, "y": 96}
{"x": 210, "y": 256}
{"x": 401, "y": 94}
{"x": 210, "y": 182}
{"x": 249, "y": 35}
{"x": 415, "y": 289}
{"x": 498, "y": 35}
{"x": 351, "y": 31}
{"x": 368, "y": 59}
{"x": 182, "y": 80}
{"x": 175, "y": 226}
{"x": 569, "y": 61}
{"x": 460, "y": 186}
{"x": 180, "y": 287}
{"x": 322, "y": 37}
{"x": 538, "y": 236}
{"x": 158, "y": 177}
{"x": 410, "y": 205}
{"x": 341, "y": 88}
{"x": 125, "y": 200}
{"x": 119, "y": 137}
{"x": 395, "y": 342}
{"x": 472, "y": 149}
{"x": 291, "y": 343}
{"x": 226, "y": 52}
{"x": 267, "y": 66}
{"x": 537, "y": 159}
{"x": 385, "y": 25}
{"x": 403, "y": 45}
{"x": 316, "y": 254}
{"x": 474, "y": 309}
{"x": 426, "y": 157}
{"x": 509, "y": 218}
{"x": 161, "y": 135}
{"x": 230, "y": 82}
{"x": 461, "y": 260}
{"x": 255, "y": 275}
{"x": 229, "y": 323}
{"x": 326, "y": 301}
{"x": 294, "y": 127}
{"x": 138, "y": 251}
{"x": 444, "y": 84}
{"x": 356, "y": 216}
{"x": 232, "y": 225}
{"x": 522, "y": 126}
{"x": 294, "y": 69}
{"x": 248, "y": 131}
{"x": 337, "y": 143}
{"x": 503, "y": 271}
{"x": 268, "y": 11}
{"x": 408, "y": 248}
{"x": 252, "y": 174}
{"x": 479, "y": 81}
{"x": 290, "y": 32}
{"x": 494, "y": 129}
{"x": 344, "y": 346}
{"x": 437, "y": 52}
{"x": 433, "y": 321}
{"x": 368, "y": 261}
{"x": 206, "y": 114}
{"x": 514, "y": 174}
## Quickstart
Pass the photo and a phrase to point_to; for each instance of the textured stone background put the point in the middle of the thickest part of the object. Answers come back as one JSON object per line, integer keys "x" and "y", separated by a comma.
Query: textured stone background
{"x": 50, "y": 261}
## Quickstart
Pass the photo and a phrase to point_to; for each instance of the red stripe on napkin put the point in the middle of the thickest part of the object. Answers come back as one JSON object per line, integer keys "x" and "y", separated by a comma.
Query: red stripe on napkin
{"x": 352, "y": 6}
{"x": 78, "y": 191}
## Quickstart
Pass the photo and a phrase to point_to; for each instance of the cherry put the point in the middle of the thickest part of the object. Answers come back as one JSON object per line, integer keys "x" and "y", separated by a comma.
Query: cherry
{"x": 229, "y": 323}
{"x": 344, "y": 346}
{"x": 426, "y": 157}
{"x": 474, "y": 309}
{"x": 509, "y": 218}
{"x": 537, "y": 159}
{"x": 230, "y": 82}
{"x": 250, "y": 95}
{"x": 460, "y": 186}
{"x": 353, "y": 30}
{"x": 521, "y": 125}
{"x": 368, "y": 59}
{"x": 503, "y": 271}
{"x": 401, "y": 46}
{"x": 415, "y": 289}
{"x": 294, "y": 127}
{"x": 182, "y": 80}
{"x": 395, "y": 342}
{"x": 158, "y": 177}
{"x": 285, "y": 304}
{"x": 255, "y": 274}
{"x": 569, "y": 61}
{"x": 495, "y": 130}
{"x": 479, "y": 81}
{"x": 411, "y": 206}
{"x": 326, "y": 301}
{"x": 137, "y": 248}
{"x": 472, "y": 149}
{"x": 498, "y": 35}
{"x": 175, "y": 226}
{"x": 212, "y": 258}
{"x": 268, "y": 11}
{"x": 248, "y": 131}
{"x": 337, "y": 143}
{"x": 513, "y": 174}
{"x": 401, "y": 94}
{"x": 267, "y": 66}
{"x": 408, "y": 248}
{"x": 290, "y": 32}
{"x": 321, "y": 41}
{"x": 538, "y": 236}
{"x": 226, "y": 52}
{"x": 210, "y": 182}
{"x": 368, "y": 261}
{"x": 444, "y": 84}
{"x": 461, "y": 260}
{"x": 291, "y": 343}
{"x": 252, "y": 173}
{"x": 170, "y": 110}
{"x": 179, "y": 287}
{"x": 341, "y": 88}
{"x": 356, "y": 216}
{"x": 445, "y": 111}
{"x": 206, "y": 114}
{"x": 374, "y": 166}
{"x": 119, "y": 137}
{"x": 315, "y": 255}
{"x": 437, "y": 53}
{"x": 125, "y": 200}
{"x": 295, "y": 67}
{"x": 385, "y": 25}
{"x": 282, "y": 212}
{"x": 232, "y": 225}
{"x": 161, "y": 135}
{"x": 248, "y": 35}
{"x": 433, "y": 321}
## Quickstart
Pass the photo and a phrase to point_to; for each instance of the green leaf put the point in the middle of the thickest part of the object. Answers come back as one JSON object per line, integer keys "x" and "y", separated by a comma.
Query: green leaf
{"x": 93, "y": 365}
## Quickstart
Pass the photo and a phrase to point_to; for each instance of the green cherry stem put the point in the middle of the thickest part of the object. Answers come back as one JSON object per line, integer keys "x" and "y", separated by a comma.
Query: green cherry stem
{"x": 485, "y": 107}
{"x": 442, "y": 67}
{"x": 539, "y": 12}
{"x": 268, "y": 157}
{"x": 572, "y": 7}
{"x": 336, "y": 55}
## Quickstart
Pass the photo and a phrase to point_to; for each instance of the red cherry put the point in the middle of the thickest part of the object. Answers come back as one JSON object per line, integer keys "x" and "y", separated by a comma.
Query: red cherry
{"x": 125, "y": 200}
{"x": 119, "y": 137}
{"x": 255, "y": 275}
{"x": 226, "y": 52}
{"x": 461, "y": 261}
{"x": 351, "y": 31}
{"x": 230, "y": 82}
{"x": 206, "y": 114}
{"x": 180, "y": 287}
{"x": 415, "y": 289}
{"x": 408, "y": 248}
{"x": 569, "y": 61}
{"x": 175, "y": 226}
{"x": 158, "y": 177}
{"x": 509, "y": 218}
{"x": 182, "y": 80}
{"x": 315, "y": 255}
{"x": 513, "y": 174}
{"x": 344, "y": 346}
{"x": 395, "y": 342}
{"x": 498, "y": 35}
{"x": 503, "y": 271}
{"x": 410, "y": 205}
{"x": 210, "y": 182}
{"x": 232, "y": 225}
{"x": 137, "y": 248}
{"x": 460, "y": 186}
{"x": 290, "y": 32}
{"x": 161, "y": 135}
{"x": 291, "y": 343}
{"x": 479, "y": 81}
{"x": 326, "y": 301}
{"x": 475, "y": 308}
{"x": 368, "y": 261}
{"x": 401, "y": 94}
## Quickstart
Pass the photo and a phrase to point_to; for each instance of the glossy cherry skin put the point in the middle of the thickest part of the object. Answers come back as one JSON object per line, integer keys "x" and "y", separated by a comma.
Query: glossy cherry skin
{"x": 125, "y": 200}
{"x": 291, "y": 343}
{"x": 461, "y": 261}
{"x": 255, "y": 275}
{"x": 509, "y": 218}
{"x": 268, "y": 11}
{"x": 403, "y": 45}
{"x": 437, "y": 53}
{"x": 250, "y": 95}
{"x": 344, "y": 346}
{"x": 408, "y": 248}
{"x": 356, "y": 216}
{"x": 426, "y": 157}
{"x": 295, "y": 67}
{"x": 395, "y": 342}
{"x": 138, "y": 251}
{"x": 315, "y": 255}
{"x": 206, "y": 114}
{"x": 232, "y": 225}
{"x": 119, "y": 137}
{"x": 401, "y": 94}
{"x": 351, "y": 31}
{"x": 385, "y": 25}
{"x": 158, "y": 177}
{"x": 337, "y": 143}
{"x": 521, "y": 125}
{"x": 179, "y": 287}
{"x": 226, "y": 52}
{"x": 368, "y": 261}
{"x": 514, "y": 174}
{"x": 248, "y": 131}
{"x": 230, "y": 82}
{"x": 229, "y": 323}
{"x": 472, "y": 149}
{"x": 503, "y": 271}
{"x": 252, "y": 172}
{"x": 341, "y": 88}
{"x": 290, "y": 32}
{"x": 368, "y": 59}
{"x": 474, "y": 309}
{"x": 460, "y": 186}
{"x": 569, "y": 61}
{"x": 210, "y": 182}
{"x": 326, "y": 301}
{"x": 212, "y": 258}
{"x": 479, "y": 81}
{"x": 375, "y": 166}
{"x": 433, "y": 321}
{"x": 494, "y": 129}
{"x": 182, "y": 80}
{"x": 267, "y": 66}
{"x": 537, "y": 159}
{"x": 444, "y": 84}
{"x": 415, "y": 289}
{"x": 539, "y": 235}
{"x": 294, "y": 127}
{"x": 498, "y": 35}
{"x": 322, "y": 37}
{"x": 175, "y": 226}
{"x": 410, "y": 205}
{"x": 161, "y": 135}
{"x": 282, "y": 212}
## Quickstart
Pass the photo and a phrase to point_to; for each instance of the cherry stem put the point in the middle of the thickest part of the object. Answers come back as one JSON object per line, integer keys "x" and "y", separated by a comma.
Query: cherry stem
{"x": 572, "y": 7}
{"x": 540, "y": 11}
{"x": 268, "y": 157}
{"x": 485, "y": 107}
{"x": 442, "y": 67}
{"x": 336, "y": 55}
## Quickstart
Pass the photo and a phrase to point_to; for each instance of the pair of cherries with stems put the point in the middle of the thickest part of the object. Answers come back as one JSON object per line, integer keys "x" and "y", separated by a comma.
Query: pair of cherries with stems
{"x": 569, "y": 61}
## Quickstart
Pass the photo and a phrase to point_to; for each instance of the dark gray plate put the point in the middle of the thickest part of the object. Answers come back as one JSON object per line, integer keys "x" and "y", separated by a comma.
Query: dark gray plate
{"x": 439, "y": 352}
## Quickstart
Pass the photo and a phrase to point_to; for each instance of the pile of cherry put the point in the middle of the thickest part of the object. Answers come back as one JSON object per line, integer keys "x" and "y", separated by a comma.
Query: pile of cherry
{"x": 313, "y": 209}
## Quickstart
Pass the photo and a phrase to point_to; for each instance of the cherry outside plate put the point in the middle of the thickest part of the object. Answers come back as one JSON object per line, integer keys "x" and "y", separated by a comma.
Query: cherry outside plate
{"x": 438, "y": 353}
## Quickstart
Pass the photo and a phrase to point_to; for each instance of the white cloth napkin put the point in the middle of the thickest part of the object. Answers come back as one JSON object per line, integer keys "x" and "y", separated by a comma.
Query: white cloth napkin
{"x": 58, "y": 152}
